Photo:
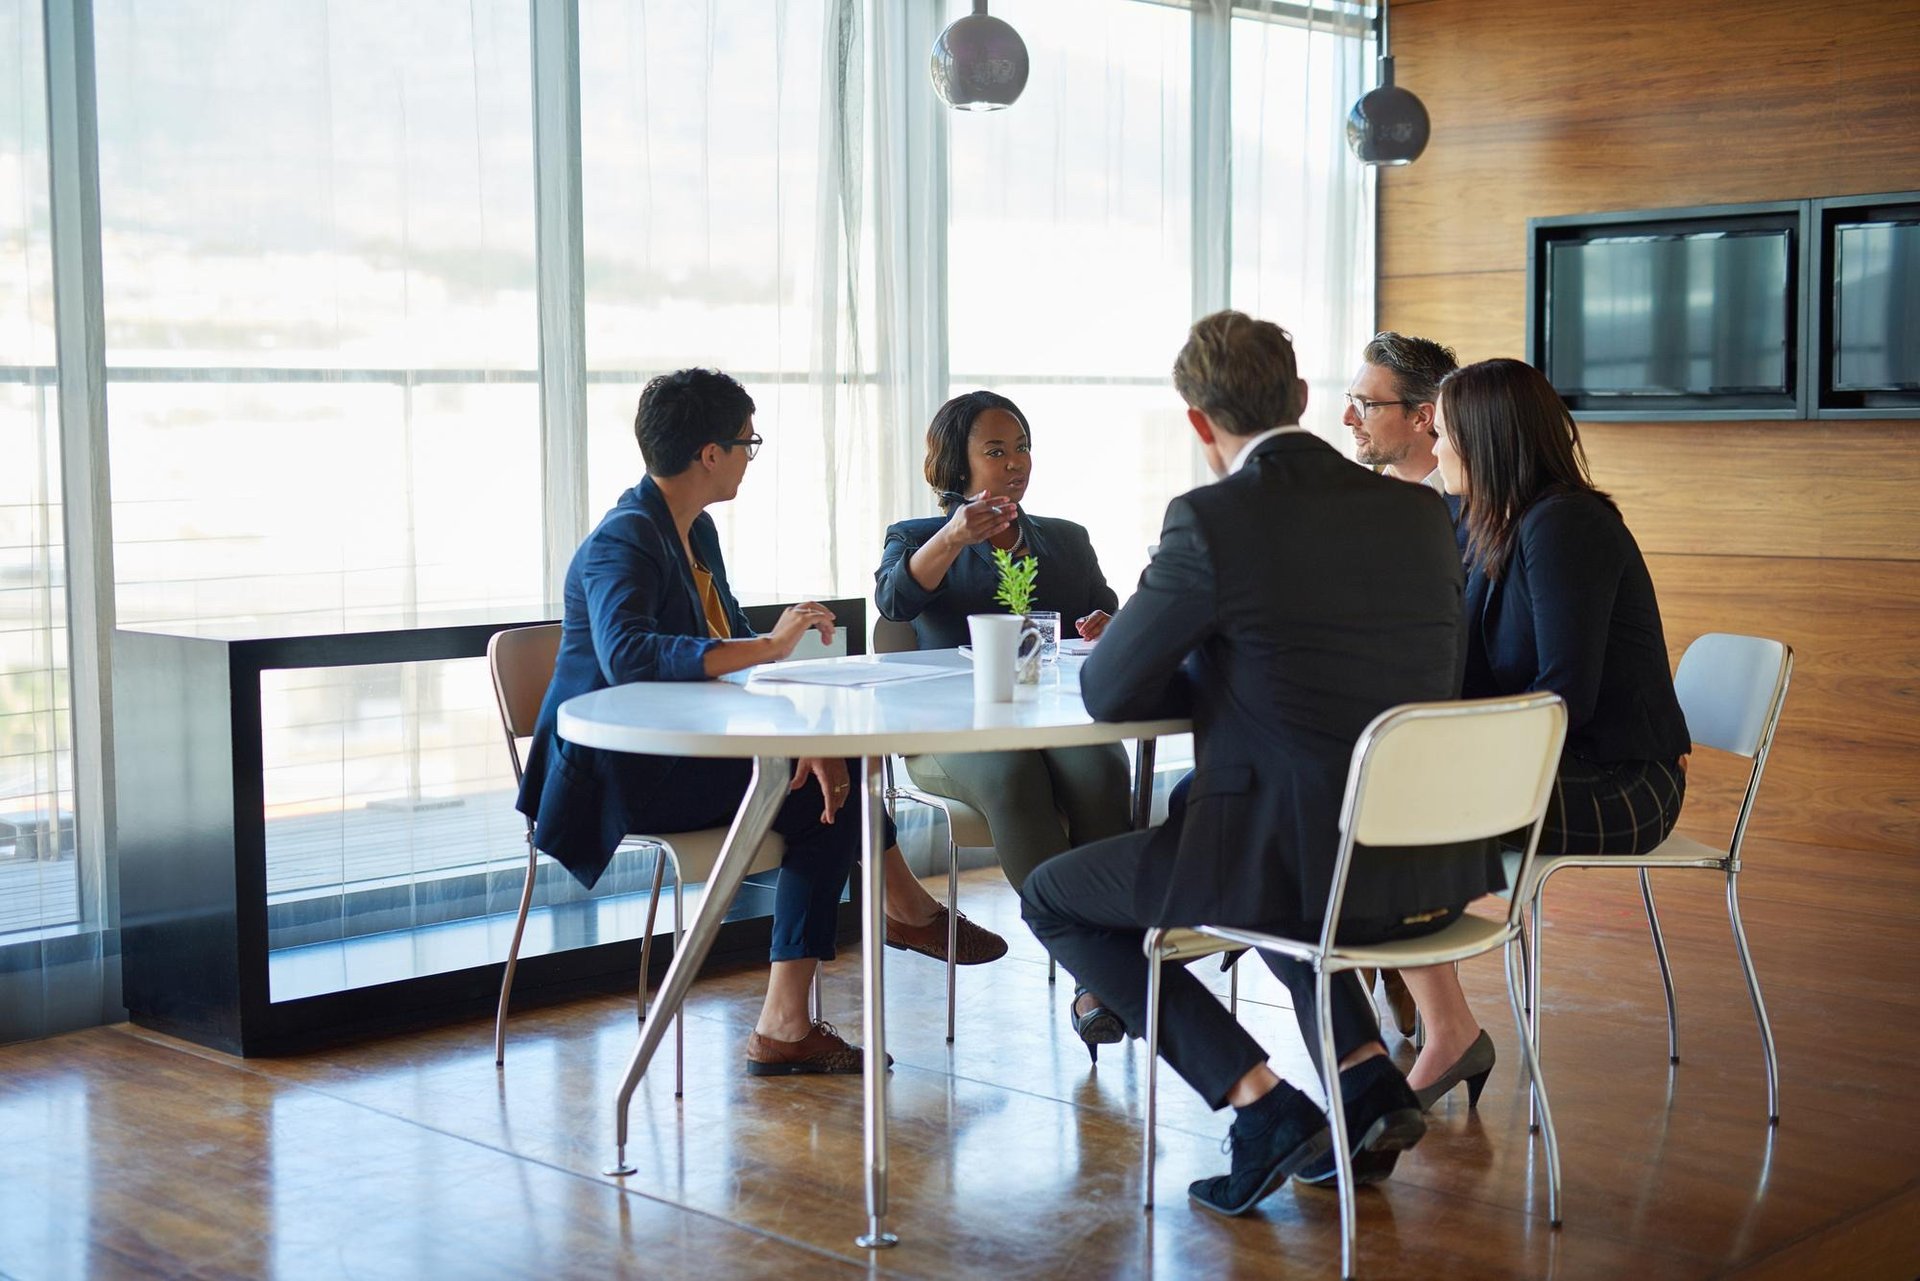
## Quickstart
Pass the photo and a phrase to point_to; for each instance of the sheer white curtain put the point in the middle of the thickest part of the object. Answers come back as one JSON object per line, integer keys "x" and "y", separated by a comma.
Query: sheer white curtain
{"x": 1303, "y": 208}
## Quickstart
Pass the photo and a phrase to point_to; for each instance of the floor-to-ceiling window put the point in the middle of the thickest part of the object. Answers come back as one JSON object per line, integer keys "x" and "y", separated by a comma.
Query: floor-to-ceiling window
{"x": 321, "y": 309}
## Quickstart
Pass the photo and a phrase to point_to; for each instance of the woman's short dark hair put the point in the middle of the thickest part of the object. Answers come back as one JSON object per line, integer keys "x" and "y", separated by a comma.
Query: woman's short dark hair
{"x": 948, "y": 466}
{"x": 683, "y": 412}
{"x": 1517, "y": 442}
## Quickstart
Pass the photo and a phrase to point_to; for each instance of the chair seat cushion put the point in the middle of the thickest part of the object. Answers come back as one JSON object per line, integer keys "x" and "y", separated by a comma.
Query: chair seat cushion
{"x": 695, "y": 853}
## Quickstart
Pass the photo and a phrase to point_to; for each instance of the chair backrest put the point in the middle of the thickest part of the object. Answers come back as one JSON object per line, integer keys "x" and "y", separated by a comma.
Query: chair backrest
{"x": 1732, "y": 689}
{"x": 521, "y": 660}
{"x": 890, "y": 637}
{"x": 1441, "y": 773}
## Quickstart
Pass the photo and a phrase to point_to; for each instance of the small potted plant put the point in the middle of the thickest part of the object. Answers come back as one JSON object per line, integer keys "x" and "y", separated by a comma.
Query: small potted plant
{"x": 1018, "y": 575}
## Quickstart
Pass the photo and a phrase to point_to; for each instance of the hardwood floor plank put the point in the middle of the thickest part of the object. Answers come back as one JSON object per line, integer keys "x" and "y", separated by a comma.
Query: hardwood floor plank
{"x": 1011, "y": 1156}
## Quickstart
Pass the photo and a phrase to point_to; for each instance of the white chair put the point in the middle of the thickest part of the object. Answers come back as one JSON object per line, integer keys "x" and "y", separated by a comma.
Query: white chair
{"x": 1732, "y": 689}
{"x": 1447, "y": 772}
{"x": 966, "y": 826}
{"x": 522, "y": 661}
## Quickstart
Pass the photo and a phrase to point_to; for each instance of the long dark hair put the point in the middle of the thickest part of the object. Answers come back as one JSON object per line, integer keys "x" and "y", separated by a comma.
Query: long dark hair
{"x": 1517, "y": 442}
{"x": 947, "y": 465}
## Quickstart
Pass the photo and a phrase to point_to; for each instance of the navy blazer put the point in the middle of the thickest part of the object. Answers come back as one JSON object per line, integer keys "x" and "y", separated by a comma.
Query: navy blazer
{"x": 1287, "y": 606}
{"x": 1069, "y": 581}
{"x": 632, "y": 613}
{"x": 1575, "y": 613}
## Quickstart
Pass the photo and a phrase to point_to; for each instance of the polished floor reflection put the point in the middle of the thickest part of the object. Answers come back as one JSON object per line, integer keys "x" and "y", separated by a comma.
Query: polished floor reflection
{"x": 124, "y": 1153}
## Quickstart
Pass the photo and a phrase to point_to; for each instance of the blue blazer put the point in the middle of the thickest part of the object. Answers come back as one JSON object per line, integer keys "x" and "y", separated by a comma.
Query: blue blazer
{"x": 1069, "y": 582}
{"x": 1575, "y": 613}
{"x": 632, "y": 613}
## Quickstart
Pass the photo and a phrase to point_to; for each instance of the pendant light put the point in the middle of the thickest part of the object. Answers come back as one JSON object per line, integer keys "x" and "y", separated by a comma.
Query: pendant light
{"x": 1388, "y": 126}
{"x": 979, "y": 63}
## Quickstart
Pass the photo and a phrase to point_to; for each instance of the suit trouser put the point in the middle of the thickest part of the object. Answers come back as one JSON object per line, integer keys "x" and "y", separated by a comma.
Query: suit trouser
{"x": 1084, "y": 906}
{"x": 1024, "y": 795}
{"x": 806, "y": 898}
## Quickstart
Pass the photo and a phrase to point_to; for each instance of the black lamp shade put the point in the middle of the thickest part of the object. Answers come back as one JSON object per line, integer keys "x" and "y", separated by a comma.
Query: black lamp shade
{"x": 979, "y": 64}
{"x": 1388, "y": 126}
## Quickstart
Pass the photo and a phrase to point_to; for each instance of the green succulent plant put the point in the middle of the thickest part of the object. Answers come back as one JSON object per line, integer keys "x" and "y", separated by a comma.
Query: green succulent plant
{"x": 1017, "y": 577}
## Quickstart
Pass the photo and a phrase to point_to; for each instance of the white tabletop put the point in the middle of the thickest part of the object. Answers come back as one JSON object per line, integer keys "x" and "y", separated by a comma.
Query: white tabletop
{"x": 741, "y": 716}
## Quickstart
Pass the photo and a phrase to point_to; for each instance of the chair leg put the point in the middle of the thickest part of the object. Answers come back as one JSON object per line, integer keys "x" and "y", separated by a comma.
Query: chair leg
{"x": 1153, "y": 1067}
{"x": 1336, "y": 1114}
{"x": 1052, "y": 966}
{"x": 679, "y": 1016}
{"x": 1536, "y": 924}
{"x": 1666, "y": 970}
{"x": 953, "y": 923}
{"x": 1536, "y": 1083}
{"x": 1753, "y": 990}
{"x": 1233, "y": 987}
{"x": 813, "y": 997}
{"x": 646, "y": 931}
{"x": 513, "y": 956}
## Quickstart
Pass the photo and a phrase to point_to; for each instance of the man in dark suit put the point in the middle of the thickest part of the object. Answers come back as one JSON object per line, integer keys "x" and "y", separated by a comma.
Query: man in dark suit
{"x": 647, "y": 599}
{"x": 1286, "y": 606}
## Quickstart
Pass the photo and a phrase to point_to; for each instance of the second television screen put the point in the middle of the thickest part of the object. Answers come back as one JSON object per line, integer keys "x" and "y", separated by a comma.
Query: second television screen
{"x": 1695, "y": 314}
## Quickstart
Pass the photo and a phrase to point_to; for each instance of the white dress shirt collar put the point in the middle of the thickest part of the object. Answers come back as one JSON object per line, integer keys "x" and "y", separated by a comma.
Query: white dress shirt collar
{"x": 1240, "y": 459}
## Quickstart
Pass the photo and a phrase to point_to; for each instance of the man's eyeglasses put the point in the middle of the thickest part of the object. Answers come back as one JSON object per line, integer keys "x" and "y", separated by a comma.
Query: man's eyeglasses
{"x": 1362, "y": 406}
{"x": 752, "y": 444}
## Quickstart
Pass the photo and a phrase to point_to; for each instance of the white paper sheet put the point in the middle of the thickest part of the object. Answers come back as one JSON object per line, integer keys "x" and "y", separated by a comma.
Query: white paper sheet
{"x": 850, "y": 675}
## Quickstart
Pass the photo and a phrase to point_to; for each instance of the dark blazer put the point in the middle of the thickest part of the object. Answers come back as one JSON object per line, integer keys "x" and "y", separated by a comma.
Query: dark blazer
{"x": 1287, "y": 606}
{"x": 1069, "y": 581}
{"x": 632, "y": 613}
{"x": 1575, "y": 613}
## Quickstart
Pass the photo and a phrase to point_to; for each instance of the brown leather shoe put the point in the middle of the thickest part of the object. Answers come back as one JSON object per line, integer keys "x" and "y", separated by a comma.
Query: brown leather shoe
{"x": 976, "y": 945}
{"x": 1399, "y": 1000}
{"x": 822, "y": 1051}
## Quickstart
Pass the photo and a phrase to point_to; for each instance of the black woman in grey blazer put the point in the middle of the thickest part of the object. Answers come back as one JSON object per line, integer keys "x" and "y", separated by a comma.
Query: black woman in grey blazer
{"x": 936, "y": 570}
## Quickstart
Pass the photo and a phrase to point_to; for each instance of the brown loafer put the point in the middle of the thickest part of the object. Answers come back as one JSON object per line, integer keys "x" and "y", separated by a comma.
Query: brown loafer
{"x": 1399, "y": 1000}
{"x": 822, "y": 1051}
{"x": 975, "y": 945}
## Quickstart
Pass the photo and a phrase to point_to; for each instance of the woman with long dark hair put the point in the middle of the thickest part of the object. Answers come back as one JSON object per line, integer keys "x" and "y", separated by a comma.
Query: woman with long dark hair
{"x": 936, "y": 570}
{"x": 1558, "y": 598}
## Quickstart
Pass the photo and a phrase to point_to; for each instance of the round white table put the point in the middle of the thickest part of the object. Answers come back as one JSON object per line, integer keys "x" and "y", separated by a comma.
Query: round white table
{"x": 762, "y": 713}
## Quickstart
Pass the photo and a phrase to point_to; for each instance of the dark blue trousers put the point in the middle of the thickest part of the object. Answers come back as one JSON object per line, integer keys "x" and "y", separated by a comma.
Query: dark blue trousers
{"x": 707, "y": 793}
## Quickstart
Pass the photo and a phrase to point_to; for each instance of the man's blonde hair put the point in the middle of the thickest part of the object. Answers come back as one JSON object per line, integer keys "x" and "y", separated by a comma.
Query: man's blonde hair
{"x": 1240, "y": 372}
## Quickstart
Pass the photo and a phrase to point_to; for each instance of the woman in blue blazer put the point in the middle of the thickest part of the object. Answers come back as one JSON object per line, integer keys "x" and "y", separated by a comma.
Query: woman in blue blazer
{"x": 1558, "y": 598}
{"x": 937, "y": 570}
{"x": 647, "y": 599}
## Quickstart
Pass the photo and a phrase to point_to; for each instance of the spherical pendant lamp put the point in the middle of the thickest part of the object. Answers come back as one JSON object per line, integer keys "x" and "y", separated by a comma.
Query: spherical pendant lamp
{"x": 1388, "y": 126}
{"x": 979, "y": 63}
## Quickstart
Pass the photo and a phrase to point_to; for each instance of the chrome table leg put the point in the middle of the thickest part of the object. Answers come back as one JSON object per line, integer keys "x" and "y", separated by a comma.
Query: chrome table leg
{"x": 873, "y": 948}
{"x": 765, "y": 794}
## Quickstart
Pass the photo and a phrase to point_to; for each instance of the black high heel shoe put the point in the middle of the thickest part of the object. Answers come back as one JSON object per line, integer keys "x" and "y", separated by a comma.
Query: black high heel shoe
{"x": 1097, "y": 1027}
{"x": 1473, "y": 1067}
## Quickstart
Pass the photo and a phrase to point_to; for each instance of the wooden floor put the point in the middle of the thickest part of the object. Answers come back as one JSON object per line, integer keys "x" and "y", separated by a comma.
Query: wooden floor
{"x": 128, "y": 1154}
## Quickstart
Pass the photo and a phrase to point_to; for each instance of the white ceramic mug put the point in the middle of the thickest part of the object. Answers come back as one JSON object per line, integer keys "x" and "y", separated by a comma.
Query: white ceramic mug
{"x": 1000, "y": 641}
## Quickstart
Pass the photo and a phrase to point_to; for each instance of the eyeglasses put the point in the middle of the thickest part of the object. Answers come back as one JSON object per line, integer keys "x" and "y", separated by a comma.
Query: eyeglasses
{"x": 1362, "y": 406}
{"x": 752, "y": 444}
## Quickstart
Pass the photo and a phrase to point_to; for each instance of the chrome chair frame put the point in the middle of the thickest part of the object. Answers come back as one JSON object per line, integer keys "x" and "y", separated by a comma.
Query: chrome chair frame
{"x": 1716, "y": 667}
{"x": 1467, "y": 937}
{"x": 518, "y": 705}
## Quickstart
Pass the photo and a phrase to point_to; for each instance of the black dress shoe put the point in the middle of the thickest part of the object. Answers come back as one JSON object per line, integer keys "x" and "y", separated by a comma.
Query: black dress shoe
{"x": 1383, "y": 1120}
{"x": 1285, "y": 1133}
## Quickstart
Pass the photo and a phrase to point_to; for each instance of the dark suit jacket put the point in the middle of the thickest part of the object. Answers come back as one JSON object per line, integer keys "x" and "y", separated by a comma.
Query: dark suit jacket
{"x": 1069, "y": 582}
{"x": 1287, "y": 606}
{"x": 1575, "y": 613}
{"x": 632, "y": 613}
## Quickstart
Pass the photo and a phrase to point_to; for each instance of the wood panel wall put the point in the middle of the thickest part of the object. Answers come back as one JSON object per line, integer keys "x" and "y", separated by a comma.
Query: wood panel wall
{"x": 1806, "y": 531}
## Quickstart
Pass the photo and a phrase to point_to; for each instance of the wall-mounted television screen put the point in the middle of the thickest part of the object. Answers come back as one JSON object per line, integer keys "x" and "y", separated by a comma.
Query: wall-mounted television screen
{"x": 1673, "y": 315}
{"x": 1680, "y": 313}
{"x": 1876, "y": 307}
